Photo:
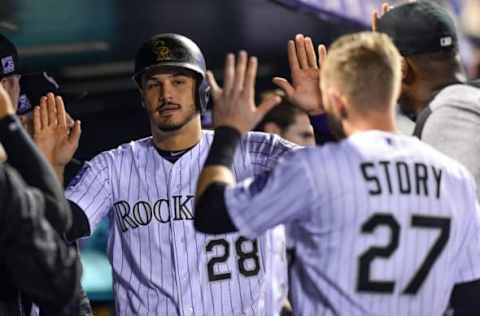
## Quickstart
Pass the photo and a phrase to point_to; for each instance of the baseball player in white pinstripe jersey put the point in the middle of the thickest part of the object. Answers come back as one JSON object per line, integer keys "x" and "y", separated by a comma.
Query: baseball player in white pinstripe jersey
{"x": 383, "y": 224}
{"x": 161, "y": 265}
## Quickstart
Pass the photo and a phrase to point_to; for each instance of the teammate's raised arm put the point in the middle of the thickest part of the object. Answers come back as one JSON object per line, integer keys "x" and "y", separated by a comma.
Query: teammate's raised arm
{"x": 52, "y": 134}
{"x": 234, "y": 114}
{"x": 304, "y": 90}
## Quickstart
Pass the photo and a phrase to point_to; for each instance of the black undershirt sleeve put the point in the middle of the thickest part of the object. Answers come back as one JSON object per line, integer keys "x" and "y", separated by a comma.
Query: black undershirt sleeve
{"x": 80, "y": 226}
{"x": 464, "y": 299}
{"x": 211, "y": 214}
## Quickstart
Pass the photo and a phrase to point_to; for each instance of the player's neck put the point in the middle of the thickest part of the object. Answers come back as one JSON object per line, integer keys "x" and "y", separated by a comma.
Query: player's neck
{"x": 380, "y": 122}
{"x": 185, "y": 137}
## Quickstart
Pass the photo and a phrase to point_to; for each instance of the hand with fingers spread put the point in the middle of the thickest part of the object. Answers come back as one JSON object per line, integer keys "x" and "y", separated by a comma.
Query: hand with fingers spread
{"x": 375, "y": 15}
{"x": 234, "y": 104}
{"x": 304, "y": 90}
{"x": 27, "y": 122}
{"x": 51, "y": 132}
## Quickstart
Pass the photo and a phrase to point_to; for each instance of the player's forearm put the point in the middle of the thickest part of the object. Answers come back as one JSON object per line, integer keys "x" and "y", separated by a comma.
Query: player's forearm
{"x": 34, "y": 169}
{"x": 211, "y": 174}
{"x": 59, "y": 171}
{"x": 219, "y": 161}
{"x": 211, "y": 215}
{"x": 24, "y": 157}
{"x": 39, "y": 261}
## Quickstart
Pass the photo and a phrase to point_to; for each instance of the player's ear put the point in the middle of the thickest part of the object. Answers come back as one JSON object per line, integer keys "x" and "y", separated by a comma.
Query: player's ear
{"x": 339, "y": 104}
{"x": 4, "y": 82}
{"x": 407, "y": 71}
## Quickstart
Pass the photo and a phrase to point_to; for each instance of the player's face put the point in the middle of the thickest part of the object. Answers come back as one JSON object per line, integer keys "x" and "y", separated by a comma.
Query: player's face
{"x": 169, "y": 97}
{"x": 300, "y": 132}
{"x": 11, "y": 84}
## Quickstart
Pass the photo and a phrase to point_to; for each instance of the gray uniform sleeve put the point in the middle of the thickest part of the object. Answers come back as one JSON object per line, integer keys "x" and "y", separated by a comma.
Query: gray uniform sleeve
{"x": 38, "y": 261}
{"x": 454, "y": 130}
{"x": 91, "y": 190}
{"x": 258, "y": 204}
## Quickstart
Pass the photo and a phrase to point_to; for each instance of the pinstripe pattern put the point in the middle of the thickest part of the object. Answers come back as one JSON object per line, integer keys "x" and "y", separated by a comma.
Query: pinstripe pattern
{"x": 323, "y": 194}
{"x": 159, "y": 261}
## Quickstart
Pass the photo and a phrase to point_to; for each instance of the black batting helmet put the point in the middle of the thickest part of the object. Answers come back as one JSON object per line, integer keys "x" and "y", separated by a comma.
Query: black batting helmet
{"x": 173, "y": 50}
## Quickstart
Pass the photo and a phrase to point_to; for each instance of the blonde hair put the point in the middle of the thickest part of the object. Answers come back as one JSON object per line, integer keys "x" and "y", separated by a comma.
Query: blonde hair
{"x": 366, "y": 69}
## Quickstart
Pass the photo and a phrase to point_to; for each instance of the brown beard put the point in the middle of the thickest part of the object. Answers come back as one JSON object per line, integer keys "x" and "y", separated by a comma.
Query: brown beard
{"x": 173, "y": 127}
{"x": 170, "y": 127}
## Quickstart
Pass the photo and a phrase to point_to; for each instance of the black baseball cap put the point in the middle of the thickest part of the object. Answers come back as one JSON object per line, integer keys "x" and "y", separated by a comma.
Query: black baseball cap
{"x": 9, "y": 64}
{"x": 36, "y": 85}
{"x": 419, "y": 27}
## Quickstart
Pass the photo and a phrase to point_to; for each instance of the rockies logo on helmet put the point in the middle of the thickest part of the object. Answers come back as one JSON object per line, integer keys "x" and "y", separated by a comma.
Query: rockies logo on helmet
{"x": 173, "y": 50}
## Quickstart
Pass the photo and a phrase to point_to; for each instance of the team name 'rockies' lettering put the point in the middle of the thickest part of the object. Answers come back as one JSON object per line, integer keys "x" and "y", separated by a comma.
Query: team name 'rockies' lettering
{"x": 143, "y": 212}
{"x": 398, "y": 177}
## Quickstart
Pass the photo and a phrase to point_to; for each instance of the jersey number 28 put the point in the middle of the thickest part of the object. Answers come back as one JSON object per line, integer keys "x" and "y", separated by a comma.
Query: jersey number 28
{"x": 365, "y": 284}
{"x": 243, "y": 256}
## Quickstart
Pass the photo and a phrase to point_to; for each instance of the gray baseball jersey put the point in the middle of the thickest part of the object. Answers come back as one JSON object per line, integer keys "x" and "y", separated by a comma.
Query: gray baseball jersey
{"x": 383, "y": 225}
{"x": 454, "y": 125}
{"x": 160, "y": 264}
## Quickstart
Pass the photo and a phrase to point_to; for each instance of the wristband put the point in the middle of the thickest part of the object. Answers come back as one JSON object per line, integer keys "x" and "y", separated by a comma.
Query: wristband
{"x": 223, "y": 146}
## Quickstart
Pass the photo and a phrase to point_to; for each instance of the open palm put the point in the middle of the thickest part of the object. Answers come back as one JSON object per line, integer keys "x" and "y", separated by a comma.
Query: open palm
{"x": 51, "y": 132}
{"x": 304, "y": 90}
{"x": 234, "y": 103}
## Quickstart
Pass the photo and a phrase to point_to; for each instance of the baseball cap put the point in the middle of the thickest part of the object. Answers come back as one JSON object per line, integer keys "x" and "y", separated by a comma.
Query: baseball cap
{"x": 419, "y": 27}
{"x": 36, "y": 85}
{"x": 9, "y": 64}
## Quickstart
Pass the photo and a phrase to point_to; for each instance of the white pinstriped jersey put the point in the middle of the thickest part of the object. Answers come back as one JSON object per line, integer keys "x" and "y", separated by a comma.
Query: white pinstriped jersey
{"x": 161, "y": 265}
{"x": 383, "y": 225}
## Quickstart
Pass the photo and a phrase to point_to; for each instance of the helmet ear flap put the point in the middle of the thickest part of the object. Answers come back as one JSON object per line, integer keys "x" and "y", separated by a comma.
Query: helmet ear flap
{"x": 203, "y": 95}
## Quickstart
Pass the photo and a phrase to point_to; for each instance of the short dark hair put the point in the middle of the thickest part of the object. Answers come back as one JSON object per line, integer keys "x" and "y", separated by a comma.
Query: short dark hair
{"x": 283, "y": 115}
{"x": 176, "y": 70}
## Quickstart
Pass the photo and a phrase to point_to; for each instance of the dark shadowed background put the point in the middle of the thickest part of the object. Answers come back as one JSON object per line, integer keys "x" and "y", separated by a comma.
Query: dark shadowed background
{"x": 89, "y": 46}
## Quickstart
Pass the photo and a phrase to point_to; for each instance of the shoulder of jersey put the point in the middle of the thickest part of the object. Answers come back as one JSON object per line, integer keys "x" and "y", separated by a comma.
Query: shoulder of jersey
{"x": 414, "y": 146}
{"x": 132, "y": 146}
{"x": 453, "y": 166}
{"x": 264, "y": 138}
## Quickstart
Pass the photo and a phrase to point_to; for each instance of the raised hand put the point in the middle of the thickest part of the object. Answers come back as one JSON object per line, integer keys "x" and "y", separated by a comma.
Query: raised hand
{"x": 375, "y": 15}
{"x": 6, "y": 107}
{"x": 51, "y": 132}
{"x": 304, "y": 90}
{"x": 234, "y": 104}
{"x": 27, "y": 122}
